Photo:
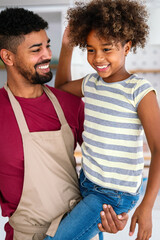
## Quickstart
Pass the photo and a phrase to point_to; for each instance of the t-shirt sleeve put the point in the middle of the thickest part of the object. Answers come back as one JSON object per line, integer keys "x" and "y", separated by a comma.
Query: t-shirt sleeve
{"x": 142, "y": 88}
{"x": 85, "y": 79}
{"x": 81, "y": 122}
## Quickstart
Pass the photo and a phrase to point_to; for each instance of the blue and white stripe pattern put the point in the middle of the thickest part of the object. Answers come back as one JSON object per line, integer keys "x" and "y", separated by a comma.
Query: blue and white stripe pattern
{"x": 113, "y": 135}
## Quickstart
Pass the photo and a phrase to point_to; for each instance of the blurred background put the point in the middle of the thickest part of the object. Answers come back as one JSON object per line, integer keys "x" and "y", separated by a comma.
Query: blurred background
{"x": 145, "y": 63}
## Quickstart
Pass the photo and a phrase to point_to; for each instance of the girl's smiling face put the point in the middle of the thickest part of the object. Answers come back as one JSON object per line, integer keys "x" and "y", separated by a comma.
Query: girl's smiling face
{"x": 107, "y": 58}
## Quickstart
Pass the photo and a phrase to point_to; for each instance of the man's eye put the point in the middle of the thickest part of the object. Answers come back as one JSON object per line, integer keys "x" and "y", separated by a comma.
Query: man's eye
{"x": 48, "y": 46}
{"x": 36, "y": 50}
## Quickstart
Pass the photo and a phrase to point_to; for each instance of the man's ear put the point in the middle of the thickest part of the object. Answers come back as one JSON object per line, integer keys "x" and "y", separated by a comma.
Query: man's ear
{"x": 7, "y": 57}
{"x": 128, "y": 46}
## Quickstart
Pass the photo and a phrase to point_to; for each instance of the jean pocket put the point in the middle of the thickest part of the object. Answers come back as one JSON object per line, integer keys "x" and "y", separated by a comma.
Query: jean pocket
{"x": 133, "y": 204}
{"x": 86, "y": 186}
{"x": 82, "y": 178}
{"x": 130, "y": 201}
{"x": 106, "y": 191}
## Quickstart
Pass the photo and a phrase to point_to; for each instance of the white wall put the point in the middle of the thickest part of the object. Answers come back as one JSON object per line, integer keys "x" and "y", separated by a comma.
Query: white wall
{"x": 2, "y": 223}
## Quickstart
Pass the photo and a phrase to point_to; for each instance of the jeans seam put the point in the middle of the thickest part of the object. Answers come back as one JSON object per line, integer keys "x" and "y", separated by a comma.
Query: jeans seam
{"x": 86, "y": 230}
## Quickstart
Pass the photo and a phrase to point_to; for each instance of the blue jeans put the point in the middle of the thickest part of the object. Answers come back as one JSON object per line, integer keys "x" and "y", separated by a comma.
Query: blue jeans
{"x": 81, "y": 222}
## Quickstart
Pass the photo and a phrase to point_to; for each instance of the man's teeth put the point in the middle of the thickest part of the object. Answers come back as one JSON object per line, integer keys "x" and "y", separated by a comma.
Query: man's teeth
{"x": 44, "y": 67}
{"x": 101, "y": 67}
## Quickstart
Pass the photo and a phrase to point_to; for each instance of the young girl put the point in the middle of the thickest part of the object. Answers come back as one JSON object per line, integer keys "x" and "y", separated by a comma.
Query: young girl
{"x": 118, "y": 106}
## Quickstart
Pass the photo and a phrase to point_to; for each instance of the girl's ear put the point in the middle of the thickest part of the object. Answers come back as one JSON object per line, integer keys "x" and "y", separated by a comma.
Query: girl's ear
{"x": 128, "y": 46}
{"x": 7, "y": 57}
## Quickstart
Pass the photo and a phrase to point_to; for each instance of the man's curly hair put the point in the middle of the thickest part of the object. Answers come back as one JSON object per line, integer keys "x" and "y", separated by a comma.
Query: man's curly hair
{"x": 15, "y": 23}
{"x": 116, "y": 20}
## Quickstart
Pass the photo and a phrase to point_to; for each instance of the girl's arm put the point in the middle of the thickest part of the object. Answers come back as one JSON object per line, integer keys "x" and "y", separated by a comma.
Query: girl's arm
{"x": 149, "y": 114}
{"x": 63, "y": 73}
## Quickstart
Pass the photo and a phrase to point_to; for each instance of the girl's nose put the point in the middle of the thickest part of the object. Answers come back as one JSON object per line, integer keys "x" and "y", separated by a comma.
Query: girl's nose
{"x": 99, "y": 56}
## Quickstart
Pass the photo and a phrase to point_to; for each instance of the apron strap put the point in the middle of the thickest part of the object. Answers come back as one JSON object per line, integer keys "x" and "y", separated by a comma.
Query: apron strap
{"x": 17, "y": 111}
{"x": 19, "y": 114}
{"x": 56, "y": 105}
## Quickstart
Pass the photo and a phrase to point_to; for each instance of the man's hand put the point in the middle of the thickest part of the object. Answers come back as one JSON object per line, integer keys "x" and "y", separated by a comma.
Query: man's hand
{"x": 111, "y": 222}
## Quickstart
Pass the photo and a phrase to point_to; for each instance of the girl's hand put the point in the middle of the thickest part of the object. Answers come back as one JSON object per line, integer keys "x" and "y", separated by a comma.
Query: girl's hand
{"x": 142, "y": 216}
{"x": 65, "y": 39}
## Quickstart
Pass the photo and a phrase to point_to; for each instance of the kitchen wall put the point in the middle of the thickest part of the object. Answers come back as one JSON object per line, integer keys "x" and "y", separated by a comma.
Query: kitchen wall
{"x": 146, "y": 63}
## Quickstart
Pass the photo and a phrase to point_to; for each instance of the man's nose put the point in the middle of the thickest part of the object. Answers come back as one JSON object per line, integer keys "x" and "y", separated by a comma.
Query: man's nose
{"x": 47, "y": 53}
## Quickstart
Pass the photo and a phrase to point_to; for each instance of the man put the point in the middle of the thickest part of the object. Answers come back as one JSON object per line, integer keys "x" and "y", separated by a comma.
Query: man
{"x": 40, "y": 127}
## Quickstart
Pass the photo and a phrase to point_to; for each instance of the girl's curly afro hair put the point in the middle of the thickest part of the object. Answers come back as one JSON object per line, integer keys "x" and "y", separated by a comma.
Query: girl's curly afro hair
{"x": 118, "y": 20}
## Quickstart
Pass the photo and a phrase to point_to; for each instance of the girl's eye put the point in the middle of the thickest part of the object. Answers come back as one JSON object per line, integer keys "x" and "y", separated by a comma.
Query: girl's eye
{"x": 90, "y": 50}
{"x": 48, "y": 46}
{"x": 106, "y": 49}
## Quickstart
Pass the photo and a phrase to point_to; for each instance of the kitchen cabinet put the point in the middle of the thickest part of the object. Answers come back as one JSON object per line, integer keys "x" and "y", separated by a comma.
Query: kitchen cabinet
{"x": 154, "y": 37}
{"x": 34, "y": 2}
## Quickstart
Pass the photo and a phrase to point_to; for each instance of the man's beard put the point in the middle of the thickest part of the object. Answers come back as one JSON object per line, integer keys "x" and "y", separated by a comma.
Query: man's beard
{"x": 41, "y": 79}
{"x": 35, "y": 78}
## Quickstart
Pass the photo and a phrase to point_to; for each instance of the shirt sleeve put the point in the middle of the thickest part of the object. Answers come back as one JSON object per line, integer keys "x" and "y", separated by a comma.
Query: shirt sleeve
{"x": 142, "y": 88}
{"x": 81, "y": 122}
{"x": 85, "y": 79}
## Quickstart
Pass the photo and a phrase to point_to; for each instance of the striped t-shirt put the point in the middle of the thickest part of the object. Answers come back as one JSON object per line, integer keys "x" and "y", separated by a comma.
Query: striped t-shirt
{"x": 113, "y": 134}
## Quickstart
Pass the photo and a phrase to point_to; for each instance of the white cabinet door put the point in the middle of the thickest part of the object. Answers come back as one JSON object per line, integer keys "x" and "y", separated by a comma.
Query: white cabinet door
{"x": 33, "y": 2}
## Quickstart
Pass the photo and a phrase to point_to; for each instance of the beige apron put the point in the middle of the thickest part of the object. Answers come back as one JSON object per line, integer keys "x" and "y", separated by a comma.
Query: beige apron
{"x": 50, "y": 187}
